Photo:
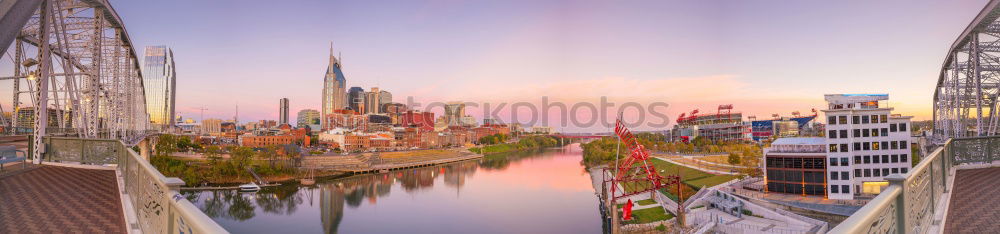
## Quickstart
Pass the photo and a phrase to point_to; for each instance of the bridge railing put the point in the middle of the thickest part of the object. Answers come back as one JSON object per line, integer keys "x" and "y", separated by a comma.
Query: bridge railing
{"x": 155, "y": 198}
{"x": 908, "y": 204}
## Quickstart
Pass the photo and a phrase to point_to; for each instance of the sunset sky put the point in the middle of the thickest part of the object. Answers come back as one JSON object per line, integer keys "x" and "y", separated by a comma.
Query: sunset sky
{"x": 762, "y": 56}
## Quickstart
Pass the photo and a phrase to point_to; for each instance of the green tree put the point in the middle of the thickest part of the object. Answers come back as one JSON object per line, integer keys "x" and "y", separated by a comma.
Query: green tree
{"x": 734, "y": 159}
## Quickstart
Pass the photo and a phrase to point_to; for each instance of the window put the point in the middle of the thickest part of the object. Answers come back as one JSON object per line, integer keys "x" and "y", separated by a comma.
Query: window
{"x": 844, "y": 160}
{"x": 874, "y": 145}
{"x": 902, "y": 157}
{"x": 857, "y": 146}
{"x": 843, "y": 148}
{"x": 857, "y": 172}
{"x": 834, "y": 189}
{"x": 833, "y": 161}
{"x": 892, "y": 127}
{"x": 875, "y": 159}
{"x": 895, "y": 170}
{"x": 895, "y": 158}
{"x": 902, "y": 127}
{"x": 884, "y": 119}
{"x": 885, "y": 158}
{"x": 874, "y": 132}
{"x": 885, "y": 144}
{"x": 868, "y": 172}
{"x": 855, "y": 119}
{"x": 874, "y": 118}
{"x": 864, "y": 119}
{"x": 843, "y": 133}
{"x": 885, "y": 132}
{"x": 842, "y": 119}
{"x": 885, "y": 171}
{"x": 833, "y": 148}
{"x": 833, "y": 134}
{"x": 865, "y": 133}
{"x": 832, "y": 120}
{"x": 868, "y": 159}
{"x": 844, "y": 175}
{"x": 857, "y": 159}
{"x": 902, "y": 144}
{"x": 834, "y": 175}
{"x": 857, "y": 132}
{"x": 893, "y": 145}
{"x": 866, "y": 146}
{"x": 845, "y": 189}
{"x": 903, "y": 170}
{"x": 877, "y": 172}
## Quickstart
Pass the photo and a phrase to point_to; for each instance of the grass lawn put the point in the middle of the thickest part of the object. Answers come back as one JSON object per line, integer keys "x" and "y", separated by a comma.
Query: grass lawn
{"x": 649, "y": 215}
{"x": 693, "y": 179}
{"x": 710, "y": 181}
{"x": 645, "y": 202}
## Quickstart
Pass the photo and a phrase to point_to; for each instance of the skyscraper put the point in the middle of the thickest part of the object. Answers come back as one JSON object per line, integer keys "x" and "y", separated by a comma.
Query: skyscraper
{"x": 160, "y": 83}
{"x": 453, "y": 113}
{"x": 334, "y": 93}
{"x": 384, "y": 98}
{"x": 283, "y": 111}
{"x": 356, "y": 99}
{"x": 373, "y": 100}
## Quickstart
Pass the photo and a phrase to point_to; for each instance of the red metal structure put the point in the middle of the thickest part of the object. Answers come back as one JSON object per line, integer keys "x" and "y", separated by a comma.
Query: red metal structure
{"x": 633, "y": 174}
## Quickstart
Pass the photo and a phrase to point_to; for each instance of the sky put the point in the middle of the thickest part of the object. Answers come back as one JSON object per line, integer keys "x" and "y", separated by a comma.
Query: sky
{"x": 763, "y": 57}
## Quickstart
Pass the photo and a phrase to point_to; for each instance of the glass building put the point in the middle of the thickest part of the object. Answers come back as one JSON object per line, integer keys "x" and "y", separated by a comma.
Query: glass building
{"x": 160, "y": 84}
{"x": 334, "y": 89}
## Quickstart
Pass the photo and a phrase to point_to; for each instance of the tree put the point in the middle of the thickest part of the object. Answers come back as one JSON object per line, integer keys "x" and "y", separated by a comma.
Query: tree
{"x": 166, "y": 145}
{"x": 734, "y": 159}
{"x": 240, "y": 158}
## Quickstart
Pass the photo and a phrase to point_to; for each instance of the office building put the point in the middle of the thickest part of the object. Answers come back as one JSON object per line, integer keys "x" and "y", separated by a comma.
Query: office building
{"x": 160, "y": 84}
{"x": 356, "y": 99}
{"x": 453, "y": 113}
{"x": 866, "y": 143}
{"x": 384, "y": 98}
{"x": 306, "y": 118}
{"x": 373, "y": 101}
{"x": 796, "y": 165}
{"x": 211, "y": 126}
{"x": 283, "y": 111}
{"x": 334, "y": 91}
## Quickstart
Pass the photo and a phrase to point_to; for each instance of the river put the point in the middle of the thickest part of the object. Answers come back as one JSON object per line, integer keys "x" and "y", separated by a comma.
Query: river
{"x": 544, "y": 191}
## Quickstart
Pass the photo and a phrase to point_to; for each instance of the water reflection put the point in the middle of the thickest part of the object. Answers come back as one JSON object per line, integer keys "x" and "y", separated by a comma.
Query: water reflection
{"x": 282, "y": 209}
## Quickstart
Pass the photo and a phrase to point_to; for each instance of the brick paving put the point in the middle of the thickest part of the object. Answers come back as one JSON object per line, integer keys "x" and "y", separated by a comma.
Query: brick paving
{"x": 975, "y": 206}
{"x": 51, "y": 199}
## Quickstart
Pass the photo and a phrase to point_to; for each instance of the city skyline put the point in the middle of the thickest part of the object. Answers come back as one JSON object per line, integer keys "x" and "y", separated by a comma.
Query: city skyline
{"x": 548, "y": 48}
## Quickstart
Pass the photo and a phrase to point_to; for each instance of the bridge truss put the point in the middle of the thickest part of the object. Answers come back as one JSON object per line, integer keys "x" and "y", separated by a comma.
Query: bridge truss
{"x": 965, "y": 99}
{"x": 75, "y": 72}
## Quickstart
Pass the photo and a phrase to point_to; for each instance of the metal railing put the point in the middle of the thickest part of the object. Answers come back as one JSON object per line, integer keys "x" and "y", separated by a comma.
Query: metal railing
{"x": 908, "y": 204}
{"x": 155, "y": 198}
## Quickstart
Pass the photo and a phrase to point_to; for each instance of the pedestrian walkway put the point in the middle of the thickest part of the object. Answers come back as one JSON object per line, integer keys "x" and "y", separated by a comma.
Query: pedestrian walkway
{"x": 52, "y": 199}
{"x": 973, "y": 203}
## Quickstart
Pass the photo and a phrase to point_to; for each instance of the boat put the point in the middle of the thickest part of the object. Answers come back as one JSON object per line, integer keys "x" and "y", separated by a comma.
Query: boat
{"x": 310, "y": 179}
{"x": 251, "y": 187}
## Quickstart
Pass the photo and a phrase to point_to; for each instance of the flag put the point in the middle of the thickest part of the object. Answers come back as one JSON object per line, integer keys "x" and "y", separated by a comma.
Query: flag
{"x": 627, "y": 211}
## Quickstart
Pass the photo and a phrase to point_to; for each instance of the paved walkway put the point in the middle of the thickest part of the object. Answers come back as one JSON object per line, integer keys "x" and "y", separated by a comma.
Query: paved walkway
{"x": 51, "y": 199}
{"x": 974, "y": 200}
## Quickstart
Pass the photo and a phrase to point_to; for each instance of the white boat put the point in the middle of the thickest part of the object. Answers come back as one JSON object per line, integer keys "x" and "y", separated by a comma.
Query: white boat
{"x": 251, "y": 187}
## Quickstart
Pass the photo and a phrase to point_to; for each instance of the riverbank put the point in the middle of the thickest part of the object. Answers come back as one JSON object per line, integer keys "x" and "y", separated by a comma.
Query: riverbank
{"x": 525, "y": 143}
{"x": 387, "y": 161}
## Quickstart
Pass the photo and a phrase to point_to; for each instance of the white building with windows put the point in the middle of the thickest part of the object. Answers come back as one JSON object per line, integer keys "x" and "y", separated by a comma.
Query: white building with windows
{"x": 865, "y": 143}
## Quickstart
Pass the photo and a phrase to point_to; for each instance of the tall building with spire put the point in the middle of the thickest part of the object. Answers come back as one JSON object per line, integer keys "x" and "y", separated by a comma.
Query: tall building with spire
{"x": 334, "y": 89}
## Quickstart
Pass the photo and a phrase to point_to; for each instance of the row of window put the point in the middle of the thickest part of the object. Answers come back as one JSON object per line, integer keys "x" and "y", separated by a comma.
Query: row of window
{"x": 857, "y": 119}
{"x": 840, "y": 175}
{"x": 859, "y": 146}
{"x": 866, "y": 132}
{"x": 879, "y": 173}
{"x": 796, "y": 176}
{"x": 894, "y": 158}
{"x": 810, "y": 189}
{"x": 796, "y": 163}
{"x": 841, "y": 189}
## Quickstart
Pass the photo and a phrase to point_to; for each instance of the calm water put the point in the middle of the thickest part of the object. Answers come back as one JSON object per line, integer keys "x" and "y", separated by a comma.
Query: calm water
{"x": 530, "y": 192}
